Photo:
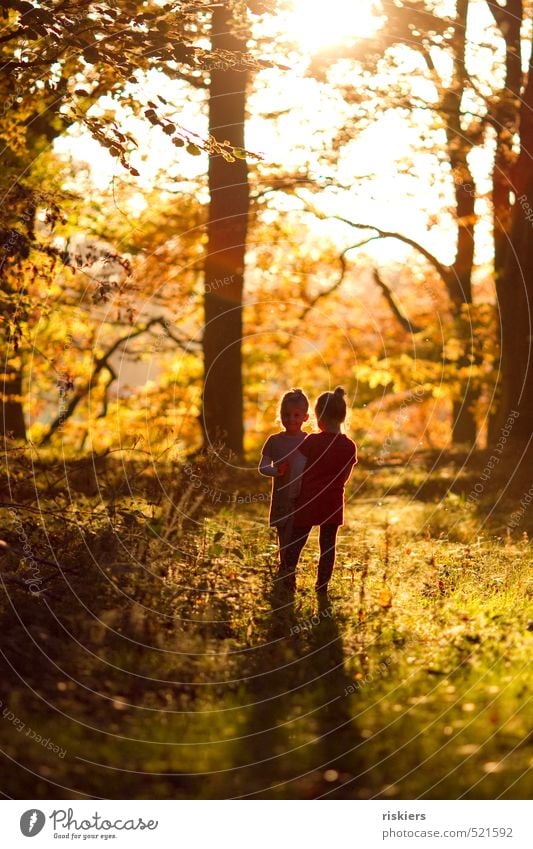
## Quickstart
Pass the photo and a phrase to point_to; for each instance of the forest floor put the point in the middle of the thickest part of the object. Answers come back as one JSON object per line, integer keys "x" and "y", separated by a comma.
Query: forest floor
{"x": 151, "y": 660}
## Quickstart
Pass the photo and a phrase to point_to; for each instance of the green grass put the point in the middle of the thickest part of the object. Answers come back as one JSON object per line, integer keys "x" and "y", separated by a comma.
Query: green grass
{"x": 165, "y": 670}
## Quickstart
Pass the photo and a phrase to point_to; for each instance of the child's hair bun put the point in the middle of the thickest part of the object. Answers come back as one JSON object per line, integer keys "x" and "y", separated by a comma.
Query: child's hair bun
{"x": 295, "y": 396}
{"x": 331, "y": 405}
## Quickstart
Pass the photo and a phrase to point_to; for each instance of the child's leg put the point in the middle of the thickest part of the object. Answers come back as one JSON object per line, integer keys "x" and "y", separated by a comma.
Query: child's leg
{"x": 284, "y": 538}
{"x": 292, "y": 554}
{"x": 280, "y": 529}
{"x": 327, "y": 540}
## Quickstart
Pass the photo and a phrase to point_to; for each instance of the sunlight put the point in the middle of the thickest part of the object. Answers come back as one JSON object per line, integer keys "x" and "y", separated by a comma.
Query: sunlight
{"x": 316, "y": 25}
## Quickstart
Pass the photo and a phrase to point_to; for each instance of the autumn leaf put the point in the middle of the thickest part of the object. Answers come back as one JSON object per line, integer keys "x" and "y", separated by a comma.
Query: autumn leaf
{"x": 385, "y": 598}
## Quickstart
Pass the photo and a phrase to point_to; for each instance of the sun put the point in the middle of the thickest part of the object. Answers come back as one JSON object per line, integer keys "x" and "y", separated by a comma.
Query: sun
{"x": 319, "y": 24}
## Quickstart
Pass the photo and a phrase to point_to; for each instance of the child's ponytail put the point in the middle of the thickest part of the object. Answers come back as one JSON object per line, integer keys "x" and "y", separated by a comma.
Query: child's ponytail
{"x": 332, "y": 406}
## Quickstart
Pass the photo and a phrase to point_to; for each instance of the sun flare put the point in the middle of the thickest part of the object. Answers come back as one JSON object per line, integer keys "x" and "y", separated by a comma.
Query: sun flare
{"x": 316, "y": 24}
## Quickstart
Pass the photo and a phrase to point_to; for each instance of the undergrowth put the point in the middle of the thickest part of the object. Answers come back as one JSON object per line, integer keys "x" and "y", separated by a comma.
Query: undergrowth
{"x": 144, "y": 655}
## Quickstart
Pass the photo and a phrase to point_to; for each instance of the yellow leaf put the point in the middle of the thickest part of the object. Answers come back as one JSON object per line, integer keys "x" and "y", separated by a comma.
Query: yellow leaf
{"x": 385, "y": 598}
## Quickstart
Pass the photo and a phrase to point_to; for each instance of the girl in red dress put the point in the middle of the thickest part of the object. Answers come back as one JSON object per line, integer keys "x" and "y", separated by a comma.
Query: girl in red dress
{"x": 327, "y": 459}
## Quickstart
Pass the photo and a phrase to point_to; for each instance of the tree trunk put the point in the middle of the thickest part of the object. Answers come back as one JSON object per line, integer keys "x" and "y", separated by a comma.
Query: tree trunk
{"x": 464, "y": 429}
{"x": 226, "y": 245}
{"x": 506, "y": 121}
{"x": 20, "y": 212}
{"x": 515, "y": 294}
{"x": 516, "y": 314}
{"x": 12, "y": 422}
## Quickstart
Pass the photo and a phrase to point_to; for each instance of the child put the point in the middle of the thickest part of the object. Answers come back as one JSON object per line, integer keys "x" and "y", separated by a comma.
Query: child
{"x": 276, "y": 462}
{"x": 328, "y": 460}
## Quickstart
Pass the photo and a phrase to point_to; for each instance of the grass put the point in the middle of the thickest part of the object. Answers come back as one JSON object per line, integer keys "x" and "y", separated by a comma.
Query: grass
{"x": 157, "y": 660}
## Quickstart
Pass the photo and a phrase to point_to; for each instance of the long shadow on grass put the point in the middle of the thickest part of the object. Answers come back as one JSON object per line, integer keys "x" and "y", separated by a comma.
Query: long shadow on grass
{"x": 298, "y": 732}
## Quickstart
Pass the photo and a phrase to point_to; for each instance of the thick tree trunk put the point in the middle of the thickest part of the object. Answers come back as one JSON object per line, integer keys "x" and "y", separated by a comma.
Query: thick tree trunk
{"x": 226, "y": 245}
{"x": 464, "y": 429}
{"x": 516, "y": 316}
{"x": 515, "y": 293}
{"x": 506, "y": 121}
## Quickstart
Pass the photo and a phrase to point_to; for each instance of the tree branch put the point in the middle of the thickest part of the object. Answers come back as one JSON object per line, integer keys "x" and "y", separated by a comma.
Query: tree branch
{"x": 287, "y": 183}
{"x": 100, "y": 364}
{"x": 112, "y": 377}
{"x": 12, "y": 34}
{"x": 498, "y": 12}
{"x": 407, "y": 325}
{"x": 197, "y": 82}
{"x": 338, "y": 282}
{"x": 443, "y": 270}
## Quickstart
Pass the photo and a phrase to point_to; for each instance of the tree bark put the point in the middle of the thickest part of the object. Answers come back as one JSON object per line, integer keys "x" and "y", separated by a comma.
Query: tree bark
{"x": 464, "y": 429}
{"x": 11, "y": 411}
{"x": 505, "y": 120}
{"x": 515, "y": 294}
{"x": 19, "y": 210}
{"x": 226, "y": 245}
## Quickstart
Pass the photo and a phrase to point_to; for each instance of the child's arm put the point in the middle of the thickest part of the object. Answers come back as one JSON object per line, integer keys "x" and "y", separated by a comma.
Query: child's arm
{"x": 298, "y": 464}
{"x": 266, "y": 463}
{"x": 267, "y": 467}
{"x": 347, "y": 473}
